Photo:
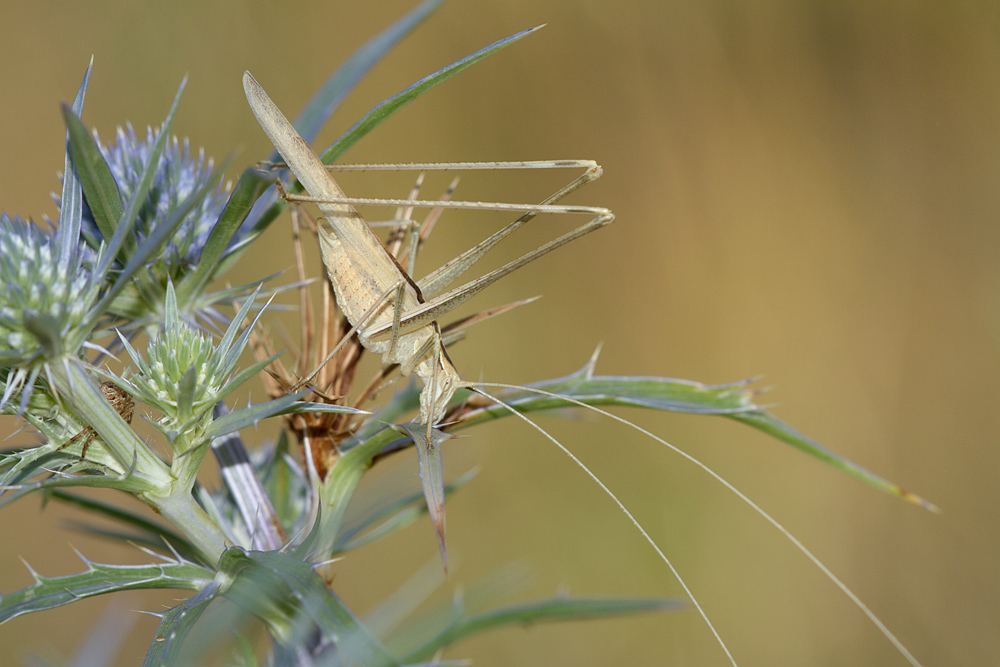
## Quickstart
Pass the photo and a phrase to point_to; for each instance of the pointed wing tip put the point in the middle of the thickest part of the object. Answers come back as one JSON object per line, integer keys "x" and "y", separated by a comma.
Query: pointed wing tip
{"x": 250, "y": 85}
{"x": 251, "y": 88}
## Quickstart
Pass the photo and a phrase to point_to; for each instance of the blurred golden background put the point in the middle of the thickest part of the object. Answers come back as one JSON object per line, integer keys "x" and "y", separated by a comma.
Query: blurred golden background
{"x": 803, "y": 190}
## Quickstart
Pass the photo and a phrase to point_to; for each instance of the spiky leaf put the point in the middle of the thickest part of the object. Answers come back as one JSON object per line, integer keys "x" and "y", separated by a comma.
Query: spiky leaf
{"x": 432, "y": 479}
{"x": 288, "y": 595}
{"x": 388, "y": 519}
{"x": 98, "y": 579}
{"x": 175, "y": 624}
{"x": 734, "y": 400}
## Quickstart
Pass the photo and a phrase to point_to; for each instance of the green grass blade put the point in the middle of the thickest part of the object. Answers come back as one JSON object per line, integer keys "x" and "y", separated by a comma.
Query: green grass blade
{"x": 328, "y": 98}
{"x": 331, "y": 94}
{"x": 768, "y": 423}
{"x": 385, "y": 109}
{"x": 539, "y": 611}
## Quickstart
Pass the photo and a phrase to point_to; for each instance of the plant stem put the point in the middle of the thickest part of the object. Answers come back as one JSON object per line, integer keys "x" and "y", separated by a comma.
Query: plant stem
{"x": 145, "y": 475}
{"x": 340, "y": 485}
{"x": 181, "y": 510}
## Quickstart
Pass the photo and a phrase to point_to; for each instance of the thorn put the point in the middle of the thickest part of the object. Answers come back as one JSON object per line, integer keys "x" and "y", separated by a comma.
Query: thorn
{"x": 148, "y": 551}
{"x": 86, "y": 561}
{"x": 592, "y": 362}
{"x": 180, "y": 559}
{"x": 327, "y": 562}
{"x": 34, "y": 575}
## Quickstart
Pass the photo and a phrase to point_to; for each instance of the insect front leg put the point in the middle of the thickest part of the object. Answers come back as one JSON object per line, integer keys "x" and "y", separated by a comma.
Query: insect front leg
{"x": 89, "y": 432}
{"x": 397, "y": 308}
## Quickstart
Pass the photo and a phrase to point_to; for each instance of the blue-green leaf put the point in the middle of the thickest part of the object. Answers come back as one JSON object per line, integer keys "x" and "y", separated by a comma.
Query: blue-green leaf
{"x": 389, "y": 518}
{"x": 248, "y": 188}
{"x": 97, "y": 579}
{"x": 287, "y": 594}
{"x": 153, "y": 534}
{"x": 432, "y": 479}
{"x": 155, "y": 241}
{"x": 175, "y": 624}
{"x": 95, "y": 175}
{"x": 71, "y": 201}
{"x": 385, "y": 109}
{"x": 734, "y": 400}
{"x": 328, "y": 98}
{"x": 768, "y": 423}
{"x": 286, "y": 405}
{"x": 559, "y": 608}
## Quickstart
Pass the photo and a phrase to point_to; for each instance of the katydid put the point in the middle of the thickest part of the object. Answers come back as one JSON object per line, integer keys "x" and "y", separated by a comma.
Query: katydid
{"x": 392, "y": 314}
{"x": 396, "y": 316}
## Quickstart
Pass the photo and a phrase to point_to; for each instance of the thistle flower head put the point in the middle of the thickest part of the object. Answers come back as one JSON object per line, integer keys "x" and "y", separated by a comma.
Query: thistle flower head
{"x": 178, "y": 176}
{"x": 43, "y": 301}
{"x": 185, "y": 373}
{"x": 181, "y": 369}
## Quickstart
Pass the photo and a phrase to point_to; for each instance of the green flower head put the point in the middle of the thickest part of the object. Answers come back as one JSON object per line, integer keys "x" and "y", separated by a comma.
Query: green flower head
{"x": 185, "y": 373}
{"x": 44, "y": 302}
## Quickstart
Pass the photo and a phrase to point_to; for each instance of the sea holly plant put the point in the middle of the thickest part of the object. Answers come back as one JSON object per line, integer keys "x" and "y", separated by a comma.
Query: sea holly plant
{"x": 145, "y": 233}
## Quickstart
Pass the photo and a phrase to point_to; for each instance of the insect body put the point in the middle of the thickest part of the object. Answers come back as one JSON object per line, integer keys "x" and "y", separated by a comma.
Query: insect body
{"x": 393, "y": 315}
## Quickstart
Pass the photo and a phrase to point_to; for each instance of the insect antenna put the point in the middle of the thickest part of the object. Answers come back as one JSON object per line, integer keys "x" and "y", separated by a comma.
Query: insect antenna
{"x": 875, "y": 620}
{"x": 475, "y": 387}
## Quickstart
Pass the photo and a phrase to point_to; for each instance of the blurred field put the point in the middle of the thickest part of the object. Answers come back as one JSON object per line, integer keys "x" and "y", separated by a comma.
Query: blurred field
{"x": 803, "y": 190}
